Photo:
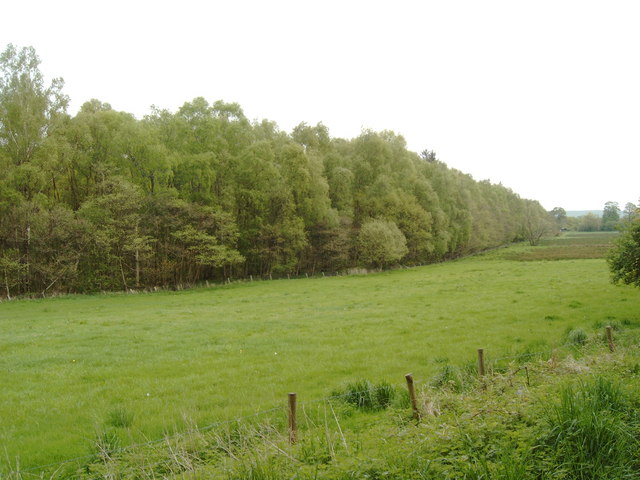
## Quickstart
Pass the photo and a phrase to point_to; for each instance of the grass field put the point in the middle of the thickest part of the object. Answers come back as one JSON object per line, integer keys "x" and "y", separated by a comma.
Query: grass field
{"x": 73, "y": 367}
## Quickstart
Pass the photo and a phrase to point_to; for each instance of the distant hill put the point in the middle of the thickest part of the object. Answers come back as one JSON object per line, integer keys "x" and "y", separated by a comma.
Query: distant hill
{"x": 581, "y": 213}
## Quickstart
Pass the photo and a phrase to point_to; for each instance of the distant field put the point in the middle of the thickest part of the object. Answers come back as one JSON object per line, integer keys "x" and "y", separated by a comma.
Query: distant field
{"x": 568, "y": 246}
{"x": 72, "y": 366}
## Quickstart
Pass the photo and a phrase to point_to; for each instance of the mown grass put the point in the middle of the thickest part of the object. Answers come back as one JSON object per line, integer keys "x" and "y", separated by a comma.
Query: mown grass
{"x": 76, "y": 368}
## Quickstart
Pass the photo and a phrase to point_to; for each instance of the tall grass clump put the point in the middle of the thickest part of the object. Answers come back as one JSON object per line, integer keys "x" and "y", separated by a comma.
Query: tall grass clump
{"x": 592, "y": 433}
{"x": 454, "y": 378}
{"x": 120, "y": 417}
{"x": 576, "y": 337}
{"x": 365, "y": 395}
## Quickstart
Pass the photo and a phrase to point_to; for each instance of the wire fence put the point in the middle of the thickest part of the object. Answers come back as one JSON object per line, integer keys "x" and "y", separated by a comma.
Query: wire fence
{"x": 168, "y": 438}
{"x": 518, "y": 358}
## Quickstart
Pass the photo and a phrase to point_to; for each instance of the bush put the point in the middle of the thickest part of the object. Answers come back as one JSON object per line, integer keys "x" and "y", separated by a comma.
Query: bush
{"x": 624, "y": 257}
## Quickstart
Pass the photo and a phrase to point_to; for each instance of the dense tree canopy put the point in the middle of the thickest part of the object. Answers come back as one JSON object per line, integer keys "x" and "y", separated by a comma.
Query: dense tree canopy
{"x": 104, "y": 201}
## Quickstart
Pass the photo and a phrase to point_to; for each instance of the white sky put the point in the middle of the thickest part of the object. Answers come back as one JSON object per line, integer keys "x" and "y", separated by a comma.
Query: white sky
{"x": 542, "y": 96}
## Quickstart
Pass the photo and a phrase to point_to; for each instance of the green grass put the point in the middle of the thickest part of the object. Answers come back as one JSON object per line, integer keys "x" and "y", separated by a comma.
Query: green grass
{"x": 567, "y": 418}
{"x": 78, "y": 368}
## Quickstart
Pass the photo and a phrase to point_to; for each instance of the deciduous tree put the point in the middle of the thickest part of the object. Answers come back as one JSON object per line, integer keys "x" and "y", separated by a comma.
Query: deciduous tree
{"x": 381, "y": 243}
{"x": 28, "y": 108}
{"x": 624, "y": 257}
{"x": 610, "y": 216}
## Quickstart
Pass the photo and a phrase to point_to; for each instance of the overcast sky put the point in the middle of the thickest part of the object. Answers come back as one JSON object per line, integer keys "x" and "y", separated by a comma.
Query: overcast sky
{"x": 541, "y": 96}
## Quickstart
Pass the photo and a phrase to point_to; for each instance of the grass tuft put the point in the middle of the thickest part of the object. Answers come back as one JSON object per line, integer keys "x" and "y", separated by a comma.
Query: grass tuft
{"x": 589, "y": 435}
{"x": 454, "y": 378}
{"x": 576, "y": 337}
{"x": 368, "y": 396}
{"x": 120, "y": 417}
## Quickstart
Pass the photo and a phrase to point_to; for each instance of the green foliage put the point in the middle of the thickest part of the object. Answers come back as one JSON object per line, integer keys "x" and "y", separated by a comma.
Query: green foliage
{"x": 589, "y": 223}
{"x": 381, "y": 243}
{"x": 28, "y": 109}
{"x": 624, "y": 258}
{"x": 537, "y": 222}
{"x": 610, "y": 216}
{"x": 630, "y": 212}
{"x": 203, "y": 194}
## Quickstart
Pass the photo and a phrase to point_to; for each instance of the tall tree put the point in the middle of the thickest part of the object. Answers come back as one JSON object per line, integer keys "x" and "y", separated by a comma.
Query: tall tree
{"x": 381, "y": 243}
{"x": 630, "y": 211}
{"x": 28, "y": 108}
{"x": 559, "y": 216}
{"x": 537, "y": 222}
{"x": 589, "y": 223}
{"x": 610, "y": 216}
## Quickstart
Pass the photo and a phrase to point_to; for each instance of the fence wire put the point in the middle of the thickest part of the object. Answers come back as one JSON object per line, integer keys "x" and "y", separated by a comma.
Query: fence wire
{"x": 283, "y": 408}
{"x": 169, "y": 438}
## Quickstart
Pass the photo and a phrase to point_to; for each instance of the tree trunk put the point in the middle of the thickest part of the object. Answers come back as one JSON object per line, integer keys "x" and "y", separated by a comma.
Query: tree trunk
{"x": 124, "y": 280}
{"x": 28, "y": 266}
{"x": 6, "y": 284}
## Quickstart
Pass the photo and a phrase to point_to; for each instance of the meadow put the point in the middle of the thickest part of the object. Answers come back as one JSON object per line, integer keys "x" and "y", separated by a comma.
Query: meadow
{"x": 73, "y": 367}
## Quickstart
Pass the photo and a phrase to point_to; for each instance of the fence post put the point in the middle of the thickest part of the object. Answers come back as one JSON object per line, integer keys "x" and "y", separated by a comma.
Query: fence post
{"x": 412, "y": 396}
{"x": 481, "y": 362}
{"x": 293, "y": 426}
{"x": 610, "y": 338}
{"x": 251, "y": 278}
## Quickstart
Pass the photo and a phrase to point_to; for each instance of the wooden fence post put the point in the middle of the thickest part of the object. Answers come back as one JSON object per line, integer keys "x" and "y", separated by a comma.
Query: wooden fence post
{"x": 610, "y": 338}
{"x": 293, "y": 426}
{"x": 412, "y": 396}
{"x": 481, "y": 362}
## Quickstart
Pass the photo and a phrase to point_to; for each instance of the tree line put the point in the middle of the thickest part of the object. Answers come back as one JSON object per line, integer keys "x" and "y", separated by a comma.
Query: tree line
{"x": 103, "y": 201}
{"x": 613, "y": 218}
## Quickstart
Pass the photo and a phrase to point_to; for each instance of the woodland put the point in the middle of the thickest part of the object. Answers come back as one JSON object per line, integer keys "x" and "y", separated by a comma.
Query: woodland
{"x": 103, "y": 201}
